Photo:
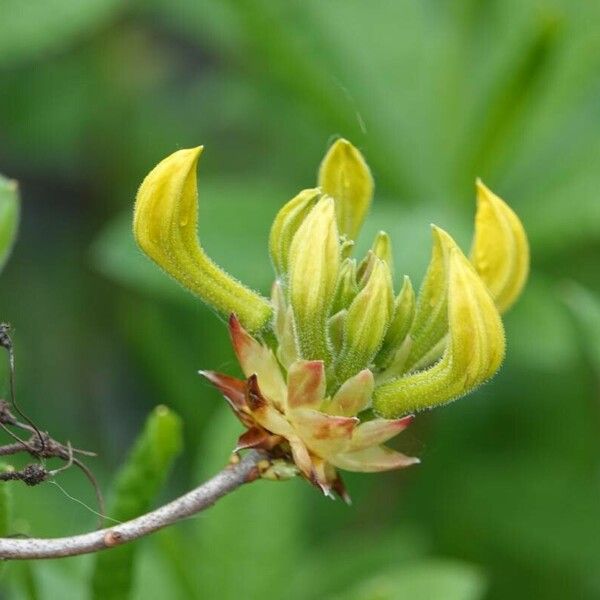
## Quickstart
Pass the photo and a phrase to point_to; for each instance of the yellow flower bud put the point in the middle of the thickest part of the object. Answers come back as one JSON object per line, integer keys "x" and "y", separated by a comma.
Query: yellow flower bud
{"x": 430, "y": 323}
{"x": 347, "y": 287}
{"x": 404, "y": 312}
{"x": 500, "y": 250}
{"x": 336, "y": 330}
{"x": 382, "y": 249}
{"x": 165, "y": 227}
{"x": 340, "y": 351}
{"x": 314, "y": 265}
{"x": 286, "y": 223}
{"x": 345, "y": 176}
{"x": 474, "y": 351}
{"x": 366, "y": 322}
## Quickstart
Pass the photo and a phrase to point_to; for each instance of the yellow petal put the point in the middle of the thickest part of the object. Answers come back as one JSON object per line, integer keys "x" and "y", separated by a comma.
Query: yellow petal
{"x": 314, "y": 264}
{"x": 345, "y": 176}
{"x": 165, "y": 227}
{"x": 474, "y": 351}
{"x": 500, "y": 250}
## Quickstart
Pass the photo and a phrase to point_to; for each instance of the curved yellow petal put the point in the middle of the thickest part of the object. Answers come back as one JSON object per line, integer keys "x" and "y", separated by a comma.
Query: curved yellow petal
{"x": 165, "y": 227}
{"x": 345, "y": 176}
{"x": 474, "y": 351}
{"x": 500, "y": 251}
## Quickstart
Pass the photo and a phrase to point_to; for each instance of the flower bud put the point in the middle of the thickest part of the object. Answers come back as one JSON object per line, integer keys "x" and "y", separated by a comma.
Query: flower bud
{"x": 314, "y": 265}
{"x": 285, "y": 225}
{"x": 430, "y": 323}
{"x": 336, "y": 330}
{"x": 365, "y": 325}
{"x": 404, "y": 312}
{"x": 382, "y": 249}
{"x": 165, "y": 227}
{"x": 347, "y": 287}
{"x": 345, "y": 176}
{"x": 500, "y": 251}
{"x": 474, "y": 351}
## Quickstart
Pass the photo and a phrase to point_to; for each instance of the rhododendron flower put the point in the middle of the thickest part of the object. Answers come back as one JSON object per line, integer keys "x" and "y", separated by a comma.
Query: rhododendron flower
{"x": 336, "y": 362}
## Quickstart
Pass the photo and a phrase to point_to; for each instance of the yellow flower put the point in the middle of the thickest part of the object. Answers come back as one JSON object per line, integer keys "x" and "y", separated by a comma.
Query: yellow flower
{"x": 334, "y": 362}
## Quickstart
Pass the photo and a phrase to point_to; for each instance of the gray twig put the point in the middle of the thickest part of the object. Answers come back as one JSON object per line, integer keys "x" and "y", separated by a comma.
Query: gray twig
{"x": 189, "y": 504}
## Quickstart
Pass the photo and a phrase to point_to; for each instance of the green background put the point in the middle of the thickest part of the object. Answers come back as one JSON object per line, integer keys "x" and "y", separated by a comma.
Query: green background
{"x": 93, "y": 93}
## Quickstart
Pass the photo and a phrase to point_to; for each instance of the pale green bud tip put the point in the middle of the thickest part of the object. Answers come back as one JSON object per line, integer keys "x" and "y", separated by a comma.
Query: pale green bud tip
{"x": 165, "y": 227}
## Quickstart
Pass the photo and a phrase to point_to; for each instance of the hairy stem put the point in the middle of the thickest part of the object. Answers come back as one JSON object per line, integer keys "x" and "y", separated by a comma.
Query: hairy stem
{"x": 189, "y": 504}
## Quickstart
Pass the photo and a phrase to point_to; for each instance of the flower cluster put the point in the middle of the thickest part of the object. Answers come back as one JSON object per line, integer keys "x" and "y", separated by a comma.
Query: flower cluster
{"x": 336, "y": 361}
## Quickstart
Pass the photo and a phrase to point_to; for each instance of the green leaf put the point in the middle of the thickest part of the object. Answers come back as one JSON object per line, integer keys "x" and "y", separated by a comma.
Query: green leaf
{"x": 28, "y": 30}
{"x": 431, "y": 579}
{"x": 9, "y": 217}
{"x": 136, "y": 485}
{"x": 339, "y": 562}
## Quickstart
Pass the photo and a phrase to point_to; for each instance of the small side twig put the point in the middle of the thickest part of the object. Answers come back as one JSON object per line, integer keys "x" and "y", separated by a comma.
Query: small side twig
{"x": 7, "y": 344}
{"x": 32, "y": 474}
{"x": 40, "y": 445}
{"x": 44, "y": 449}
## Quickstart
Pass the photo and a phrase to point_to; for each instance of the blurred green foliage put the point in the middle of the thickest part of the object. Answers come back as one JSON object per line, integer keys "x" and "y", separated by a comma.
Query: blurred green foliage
{"x": 506, "y": 503}
{"x": 136, "y": 485}
{"x": 9, "y": 218}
